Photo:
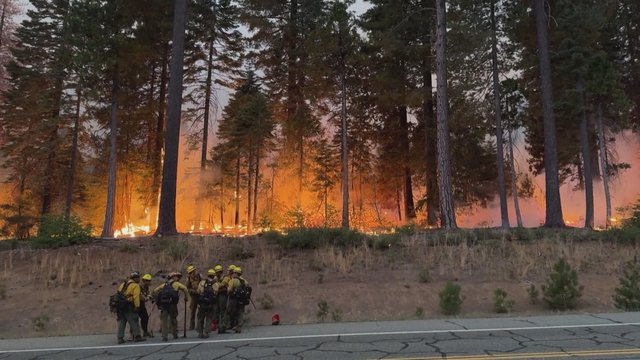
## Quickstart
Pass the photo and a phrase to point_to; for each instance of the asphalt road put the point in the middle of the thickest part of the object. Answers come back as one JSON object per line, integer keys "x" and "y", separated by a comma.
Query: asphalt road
{"x": 585, "y": 336}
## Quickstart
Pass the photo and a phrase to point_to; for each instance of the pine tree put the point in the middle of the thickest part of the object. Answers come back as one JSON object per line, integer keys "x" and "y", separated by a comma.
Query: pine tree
{"x": 562, "y": 290}
{"x": 627, "y": 295}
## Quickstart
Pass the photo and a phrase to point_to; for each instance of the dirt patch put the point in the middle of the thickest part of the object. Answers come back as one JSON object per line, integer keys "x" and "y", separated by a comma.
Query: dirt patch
{"x": 65, "y": 291}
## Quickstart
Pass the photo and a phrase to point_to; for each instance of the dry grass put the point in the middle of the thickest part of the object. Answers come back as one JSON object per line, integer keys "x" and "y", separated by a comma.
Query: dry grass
{"x": 293, "y": 277}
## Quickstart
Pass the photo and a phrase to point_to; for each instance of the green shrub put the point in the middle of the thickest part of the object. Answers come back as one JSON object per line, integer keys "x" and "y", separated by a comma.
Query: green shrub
{"x": 239, "y": 252}
{"x": 634, "y": 219}
{"x": 3, "y": 291}
{"x": 562, "y": 289}
{"x": 174, "y": 248}
{"x": 419, "y": 313}
{"x": 533, "y": 293}
{"x": 627, "y": 295}
{"x": 500, "y": 302}
{"x": 128, "y": 248}
{"x": 424, "y": 276}
{"x": 323, "y": 310}
{"x": 336, "y": 315}
{"x": 57, "y": 231}
{"x": 40, "y": 323}
{"x": 266, "y": 301}
{"x": 450, "y": 299}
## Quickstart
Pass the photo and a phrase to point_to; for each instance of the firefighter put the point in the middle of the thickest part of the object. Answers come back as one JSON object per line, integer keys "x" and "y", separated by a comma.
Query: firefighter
{"x": 145, "y": 296}
{"x": 237, "y": 300}
{"x": 193, "y": 280}
{"x": 208, "y": 303}
{"x": 167, "y": 297}
{"x": 129, "y": 314}
{"x": 223, "y": 319}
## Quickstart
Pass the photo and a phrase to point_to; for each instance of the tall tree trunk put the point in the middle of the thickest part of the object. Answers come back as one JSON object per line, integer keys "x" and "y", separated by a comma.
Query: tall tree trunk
{"x": 431, "y": 172}
{"x": 344, "y": 142}
{"x": 552, "y": 183}
{"x": 236, "y": 219}
{"x": 74, "y": 156}
{"x": 2, "y": 22}
{"x": 514, "y": 182}
{"x": 109, "y": 213}
{"x": 167, "y": 213}
{"x": 159, "y": 140}
{"x": 604, "y": 164}
{"x": 409, "y": 207}
{"x": 502, "y": 189}
{"x": 205, "y": 140}
{"x": 249, "y": 186}
{"x": 150, "y": 119}
{"x": 207, "y": 109}
{"x": 257, "y": 181}
{"x": 586, "y": 158}
{"x": 447, "y": 210}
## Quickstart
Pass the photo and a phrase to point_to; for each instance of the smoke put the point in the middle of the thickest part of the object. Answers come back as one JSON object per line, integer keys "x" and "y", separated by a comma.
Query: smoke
{"x": 624, "y": 191}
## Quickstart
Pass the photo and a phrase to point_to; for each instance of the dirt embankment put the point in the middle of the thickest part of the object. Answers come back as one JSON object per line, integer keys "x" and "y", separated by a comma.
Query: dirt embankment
{"x": 65, "y": 291}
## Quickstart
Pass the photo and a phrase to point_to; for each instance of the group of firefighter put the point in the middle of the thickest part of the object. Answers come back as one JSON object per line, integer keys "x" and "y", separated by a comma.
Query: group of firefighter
{"x": 213, "y": 302}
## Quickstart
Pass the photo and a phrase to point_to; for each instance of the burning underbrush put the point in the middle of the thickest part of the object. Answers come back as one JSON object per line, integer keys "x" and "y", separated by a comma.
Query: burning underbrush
{"x": 364, "y": 276}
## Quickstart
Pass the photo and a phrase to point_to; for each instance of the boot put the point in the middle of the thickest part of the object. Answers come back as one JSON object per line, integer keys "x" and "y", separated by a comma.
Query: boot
{"x": 205, "y": 336}
{"x": 175, "y": 336}
{"x": 139, "y": 339}
{"x": 147, "y": 334}
{"x": 120, "y": 341}
{"x": 164, "y": 339}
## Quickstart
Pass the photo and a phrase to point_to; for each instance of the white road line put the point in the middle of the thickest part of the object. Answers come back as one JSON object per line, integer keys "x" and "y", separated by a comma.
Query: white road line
{"x": 319, "y": 336}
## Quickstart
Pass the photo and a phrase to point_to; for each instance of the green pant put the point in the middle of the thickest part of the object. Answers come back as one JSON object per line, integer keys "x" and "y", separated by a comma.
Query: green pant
{"x": 236, "y": 314}
{"x": 169, "y": 321}
{"x": 193, "y": 306}
{"x": 205, "y": 315}
{"x": 222, "y": 318}
{"x": 131, "y": 317}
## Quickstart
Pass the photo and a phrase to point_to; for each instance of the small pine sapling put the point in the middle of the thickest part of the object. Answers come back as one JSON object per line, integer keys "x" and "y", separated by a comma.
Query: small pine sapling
{"x": 627, "y": 295}
{"x": 562, "y": 289}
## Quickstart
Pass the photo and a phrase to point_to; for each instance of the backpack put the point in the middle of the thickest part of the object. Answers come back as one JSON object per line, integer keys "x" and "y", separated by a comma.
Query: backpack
{"x": 243, "y": 293}
{"x": 208, "y": 297}
{"x": 118, "y": 302}
{"x": 167, "y": 296}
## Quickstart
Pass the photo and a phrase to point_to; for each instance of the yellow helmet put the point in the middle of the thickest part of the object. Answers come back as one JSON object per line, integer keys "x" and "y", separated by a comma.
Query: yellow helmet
{"x": 237, "y": 270}
{"x": 231, "y": 267}
{"x": 211, "y": 272}
{"x": 218, "y": 268}
{"x": 147, "y": 277}
{"x": 191, "y": 269}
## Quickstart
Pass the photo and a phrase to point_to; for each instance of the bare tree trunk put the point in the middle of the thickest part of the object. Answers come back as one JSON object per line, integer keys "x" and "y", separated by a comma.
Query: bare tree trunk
{"x": 345, "y": 144}
{"x": 431, "y": 172}
{"x": 604, "y": 164}
{"x": 552, "y": 183}
{"x": 205, "y": 140}
{"x": 159, "y": 143}
{"x": 257, "y": 182}
{"x": 109, "y": 213}
{"x": 249, "y": 186}
{"x": 236, "y": 220}
{"x": 403, "y": 124}
{"x": 447, "y": 210}
{"x": 514, "y": 182}
{"x": 2, "y": 21}
{"x": 74, "y": 156}
{"x": 502, "y": 190}
{"x": 586, "y": 159}
{"x": 167, "y": 213}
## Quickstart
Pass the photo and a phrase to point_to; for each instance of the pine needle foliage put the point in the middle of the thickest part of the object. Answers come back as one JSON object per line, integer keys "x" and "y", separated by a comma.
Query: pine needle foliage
{"x": 627, "y": 295}
{"x": 562, "y": 290}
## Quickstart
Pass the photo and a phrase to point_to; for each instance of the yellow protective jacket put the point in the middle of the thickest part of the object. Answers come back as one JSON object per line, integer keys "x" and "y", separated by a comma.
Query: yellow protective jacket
{"x": 224, "y": 284}
{"x": 234, "y": 283}
{"x": 176, "y": 285}
{"x": 193, "y": 280}
{"x": 132, "y": 293}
